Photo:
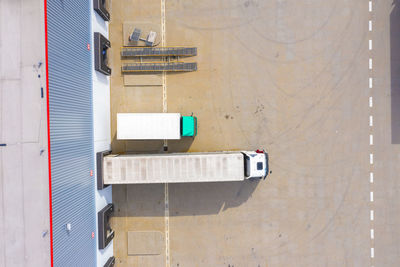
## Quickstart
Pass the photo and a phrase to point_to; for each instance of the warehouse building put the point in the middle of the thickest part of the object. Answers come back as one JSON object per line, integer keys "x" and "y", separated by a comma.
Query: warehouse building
{"x": 55, "y": 117}
{"x": 79, "y": 127}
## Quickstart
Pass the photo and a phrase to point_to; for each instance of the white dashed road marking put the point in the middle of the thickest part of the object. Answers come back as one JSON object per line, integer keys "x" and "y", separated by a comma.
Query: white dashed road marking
{"x": 165, "y": 109}
{"x": 371, "y": 137}
{"x": 163, "y": 42}
{"x": 166, "y": 214}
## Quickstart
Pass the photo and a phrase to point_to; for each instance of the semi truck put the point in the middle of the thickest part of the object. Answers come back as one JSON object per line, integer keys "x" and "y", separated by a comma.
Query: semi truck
{"x": 155, "y": 126}
{"x": 182, "y": 167}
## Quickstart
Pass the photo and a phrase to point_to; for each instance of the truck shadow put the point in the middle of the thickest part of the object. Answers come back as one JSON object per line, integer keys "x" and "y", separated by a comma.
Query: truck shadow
{"x": 208, "y": 198}
{"x": 150, "y": 146}
{"x": 185, "y": 199}
{"x": 395, "y": 71}
{"x": 189, "y": 199}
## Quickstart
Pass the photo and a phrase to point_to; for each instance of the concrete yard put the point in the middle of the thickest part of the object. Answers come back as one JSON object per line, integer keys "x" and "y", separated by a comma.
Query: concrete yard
{"x": 295, "y": 78}
{"x": 24, "y": 177}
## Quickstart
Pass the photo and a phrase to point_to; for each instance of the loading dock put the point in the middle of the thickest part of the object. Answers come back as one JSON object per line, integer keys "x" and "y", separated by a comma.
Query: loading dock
{"x": 158, "y": 51}
{"x": 159, "y": 66}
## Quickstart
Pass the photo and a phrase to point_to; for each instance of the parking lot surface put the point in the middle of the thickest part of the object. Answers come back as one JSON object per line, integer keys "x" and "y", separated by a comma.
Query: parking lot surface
{"x": 293, "y": 77}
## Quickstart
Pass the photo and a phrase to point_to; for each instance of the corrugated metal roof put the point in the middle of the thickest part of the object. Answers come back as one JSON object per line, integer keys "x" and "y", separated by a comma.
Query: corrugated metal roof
{"x": 71, "y": 132}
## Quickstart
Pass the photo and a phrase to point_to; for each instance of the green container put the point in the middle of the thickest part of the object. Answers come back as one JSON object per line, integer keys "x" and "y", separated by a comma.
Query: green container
{"x": 189, "y": 126}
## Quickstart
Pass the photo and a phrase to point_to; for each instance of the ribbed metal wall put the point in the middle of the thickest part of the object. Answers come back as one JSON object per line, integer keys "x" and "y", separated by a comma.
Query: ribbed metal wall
{"x": 71, "y": 132}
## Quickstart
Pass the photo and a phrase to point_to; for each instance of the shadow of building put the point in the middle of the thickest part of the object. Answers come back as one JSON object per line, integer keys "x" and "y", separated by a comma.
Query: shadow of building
{"x": 395, "y": 71}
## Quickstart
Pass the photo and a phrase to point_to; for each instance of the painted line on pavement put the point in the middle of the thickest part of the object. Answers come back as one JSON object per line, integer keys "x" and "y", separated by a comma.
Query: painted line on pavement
{"x": 165, "y": 109}
{"x": 166, "y": 214}
{"x": 371, "y": 136}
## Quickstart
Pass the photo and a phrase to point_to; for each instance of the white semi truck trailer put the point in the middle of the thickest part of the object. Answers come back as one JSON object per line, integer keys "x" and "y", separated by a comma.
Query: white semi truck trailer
{"x": 155, "y": 126}
{"x": 182, "y": 167}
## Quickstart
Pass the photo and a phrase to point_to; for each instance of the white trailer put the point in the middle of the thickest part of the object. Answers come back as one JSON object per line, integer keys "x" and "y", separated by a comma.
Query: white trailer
{"x": 155, "y": 126}
{"x": 184, "y": 167}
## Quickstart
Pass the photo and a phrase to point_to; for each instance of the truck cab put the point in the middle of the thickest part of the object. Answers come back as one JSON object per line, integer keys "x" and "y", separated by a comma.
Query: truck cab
{"x": 255, "y": 164}
{"x": 189, "y": 126}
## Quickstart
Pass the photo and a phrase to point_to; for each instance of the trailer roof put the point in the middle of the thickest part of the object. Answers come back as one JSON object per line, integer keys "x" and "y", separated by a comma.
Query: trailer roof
{"x": 173, "y": 168}
{"x": 143, "y": 126}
